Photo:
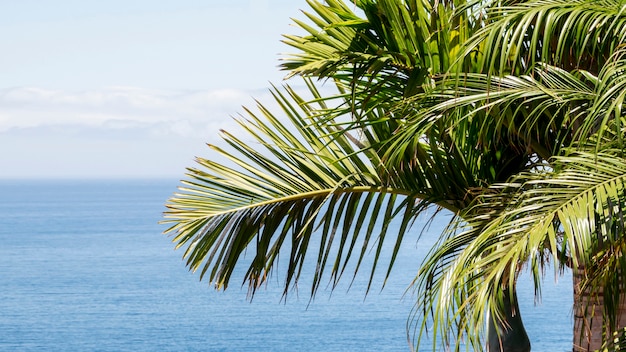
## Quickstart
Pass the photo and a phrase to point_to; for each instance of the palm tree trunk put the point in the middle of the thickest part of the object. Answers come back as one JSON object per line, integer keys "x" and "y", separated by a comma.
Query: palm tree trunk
{"x": 588, "y": 317}
{"x": 512, "y": 336}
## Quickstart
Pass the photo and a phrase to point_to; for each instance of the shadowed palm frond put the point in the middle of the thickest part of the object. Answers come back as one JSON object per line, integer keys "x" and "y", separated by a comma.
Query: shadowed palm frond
{"x": 547, "y": 112}
{"x": 573, "y": 215}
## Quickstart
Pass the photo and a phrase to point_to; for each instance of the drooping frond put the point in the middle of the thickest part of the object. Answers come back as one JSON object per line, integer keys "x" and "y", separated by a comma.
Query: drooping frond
{"x": 297, "y": 188}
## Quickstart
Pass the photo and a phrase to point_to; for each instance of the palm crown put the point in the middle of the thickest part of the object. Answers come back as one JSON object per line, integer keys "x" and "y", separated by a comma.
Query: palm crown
{"x": 506, "y": 113}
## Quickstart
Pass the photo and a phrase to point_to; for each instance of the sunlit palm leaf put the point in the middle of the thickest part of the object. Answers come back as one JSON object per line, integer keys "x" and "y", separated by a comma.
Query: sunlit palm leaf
{"x": 392, "y": 34}
{"x": 381, "y": 51}
{"x": 297, "y": 188}
{"x": 566, "y": 33}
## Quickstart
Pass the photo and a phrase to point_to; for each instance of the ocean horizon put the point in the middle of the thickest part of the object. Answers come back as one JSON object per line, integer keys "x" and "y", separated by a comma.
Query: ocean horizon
{"x": 84, "y": 266}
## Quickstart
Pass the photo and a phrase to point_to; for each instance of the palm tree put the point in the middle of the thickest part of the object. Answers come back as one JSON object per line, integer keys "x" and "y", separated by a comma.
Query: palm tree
{"x": 493, "y": 111}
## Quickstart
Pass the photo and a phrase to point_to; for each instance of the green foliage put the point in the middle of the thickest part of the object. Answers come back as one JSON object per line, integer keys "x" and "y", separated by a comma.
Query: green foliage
{"x": 617, "y": 344}
{"x": 506, "y": 113}
{"x": 295, "y": 179}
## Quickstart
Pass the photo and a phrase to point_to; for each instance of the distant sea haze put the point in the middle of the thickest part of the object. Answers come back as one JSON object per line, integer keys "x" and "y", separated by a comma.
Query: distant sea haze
{"x": 84, "y": 267}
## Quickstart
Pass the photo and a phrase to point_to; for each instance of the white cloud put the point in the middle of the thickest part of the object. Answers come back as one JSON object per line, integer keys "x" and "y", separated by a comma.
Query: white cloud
{"x": 180, "y": 113}
{"x": 119, "y": 131}
{"x": 114, "y": 132}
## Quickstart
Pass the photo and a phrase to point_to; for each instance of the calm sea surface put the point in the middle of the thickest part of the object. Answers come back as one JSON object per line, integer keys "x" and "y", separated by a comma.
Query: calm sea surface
{"x": 84, "y": 267}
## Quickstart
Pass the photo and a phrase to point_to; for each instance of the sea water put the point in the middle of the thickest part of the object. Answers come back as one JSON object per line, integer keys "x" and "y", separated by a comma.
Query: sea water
{"x": 84, "y": 266}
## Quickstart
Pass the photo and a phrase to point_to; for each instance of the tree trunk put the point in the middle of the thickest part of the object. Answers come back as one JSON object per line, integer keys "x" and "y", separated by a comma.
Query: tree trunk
{"x": 508, "y": 335}
{"x": 588, "y": 317}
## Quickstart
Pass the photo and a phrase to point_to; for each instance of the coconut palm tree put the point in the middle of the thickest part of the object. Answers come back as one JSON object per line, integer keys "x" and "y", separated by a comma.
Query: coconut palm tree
{"x": 482, "y": 108}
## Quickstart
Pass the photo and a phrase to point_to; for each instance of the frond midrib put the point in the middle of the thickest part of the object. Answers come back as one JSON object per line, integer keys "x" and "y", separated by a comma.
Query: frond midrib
{"x": 177, "y": 207}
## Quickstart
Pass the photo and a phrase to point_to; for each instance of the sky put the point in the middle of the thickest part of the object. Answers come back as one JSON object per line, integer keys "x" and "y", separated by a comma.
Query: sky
{"x": 130, "y": 88}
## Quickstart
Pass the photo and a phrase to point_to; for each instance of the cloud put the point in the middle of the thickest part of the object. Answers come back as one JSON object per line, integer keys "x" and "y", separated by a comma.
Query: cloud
{"x": 182, "y": 113}
{"x": 113, "y": 132}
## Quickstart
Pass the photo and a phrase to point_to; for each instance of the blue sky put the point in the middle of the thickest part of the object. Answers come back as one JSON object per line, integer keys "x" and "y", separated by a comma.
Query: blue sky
{"x": 130, "y": 88}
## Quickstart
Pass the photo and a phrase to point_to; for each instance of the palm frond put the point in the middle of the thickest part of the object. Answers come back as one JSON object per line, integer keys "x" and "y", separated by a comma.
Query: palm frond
{"x": 388, "y": 51}
{"x": 297, "y": 189}
{"x": 543, "y": 113}
{"x": 566, "y": 33}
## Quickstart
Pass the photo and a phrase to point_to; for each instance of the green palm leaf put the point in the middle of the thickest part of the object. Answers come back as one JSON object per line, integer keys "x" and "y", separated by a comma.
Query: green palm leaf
{"x": 297, "y": 189}
{"x": 389, "y": 51}
{"x": 566, "y": 33}
{"x": 544, "y": 113}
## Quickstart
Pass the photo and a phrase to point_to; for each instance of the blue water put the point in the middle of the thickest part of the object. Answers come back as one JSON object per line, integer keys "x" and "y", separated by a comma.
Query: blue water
{"x": 84, "y": 267}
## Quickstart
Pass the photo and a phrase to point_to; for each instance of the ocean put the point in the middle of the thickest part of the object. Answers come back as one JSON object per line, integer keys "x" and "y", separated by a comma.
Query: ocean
{"x": 84, "y": 266}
